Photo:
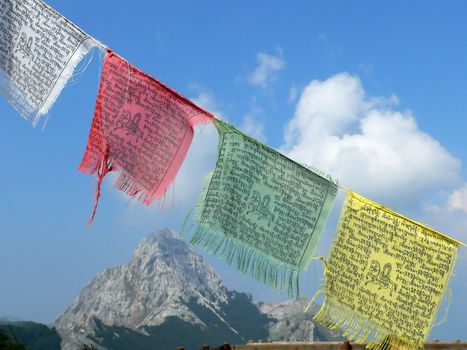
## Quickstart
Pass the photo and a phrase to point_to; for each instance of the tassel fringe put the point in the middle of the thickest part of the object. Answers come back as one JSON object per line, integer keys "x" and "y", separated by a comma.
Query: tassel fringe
{"x": 67, "y": 73}
{"x": 247, "y": 259}
{"x": 102, "y": 170}
{"x": 124, "y": 183}
{"x": 23, "y": 105}
{"x": 339, "y": 318}
{"x": 127, "y": 184}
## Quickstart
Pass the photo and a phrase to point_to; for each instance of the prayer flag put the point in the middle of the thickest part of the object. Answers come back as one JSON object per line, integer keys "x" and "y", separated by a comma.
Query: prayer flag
{"x": 386, "y": 276}
{"x": 262, "y": 211}
{"x": 39, "y": 51}
{"x": 141, "y": 128}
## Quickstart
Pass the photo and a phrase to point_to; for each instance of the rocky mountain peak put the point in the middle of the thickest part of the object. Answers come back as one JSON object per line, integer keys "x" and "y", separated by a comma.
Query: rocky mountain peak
{"x": 166, "y": 287}
{"x": 163, "y": 275}
{"x": 163, "y": 241}
{"x": 169, "y": 260}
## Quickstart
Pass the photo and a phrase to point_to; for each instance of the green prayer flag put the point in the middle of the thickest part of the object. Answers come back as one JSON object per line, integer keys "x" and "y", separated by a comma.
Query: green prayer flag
{"x": 262, "y": 211}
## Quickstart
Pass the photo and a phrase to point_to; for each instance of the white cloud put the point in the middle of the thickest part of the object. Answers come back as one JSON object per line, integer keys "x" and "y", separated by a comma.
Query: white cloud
{"x": 205, "y": 99}
{"x": 445, "y": 219}
{"x": 293, "y": 93}
{"x": 365, "y": 142}
{"x": 253, "y": 127}
{"x": 268, "y": 66}
{"x": 200, "y": 160}
{"x": 458, "y": 199}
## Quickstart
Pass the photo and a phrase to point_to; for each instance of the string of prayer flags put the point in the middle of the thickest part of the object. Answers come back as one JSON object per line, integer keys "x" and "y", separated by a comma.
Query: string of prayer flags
{"x": 141, "y": 128}
{"x": 39, "y": 51}
{"x": 385, "y": 275}
{"x": 262, "y": 211}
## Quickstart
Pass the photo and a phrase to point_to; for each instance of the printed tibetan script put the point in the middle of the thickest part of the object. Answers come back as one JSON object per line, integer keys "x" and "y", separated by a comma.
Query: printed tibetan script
{"x": 386, "y": 276}
{"x": 271, "y": 210}
{"x": 141, "y": 128}
{"x": 39, "y": 50}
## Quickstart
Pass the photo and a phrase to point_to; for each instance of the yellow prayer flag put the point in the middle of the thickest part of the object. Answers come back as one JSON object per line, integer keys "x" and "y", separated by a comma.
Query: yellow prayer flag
{"x": 386, "y": 276}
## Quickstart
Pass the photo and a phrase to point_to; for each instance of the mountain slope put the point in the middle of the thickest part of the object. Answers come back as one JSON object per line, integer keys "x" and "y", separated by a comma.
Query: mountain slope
{"x": 289, "y": 322}
{"x": 168, "y": 296}
{"x": 165, "y": 283}
{"x": 35, "y": 336}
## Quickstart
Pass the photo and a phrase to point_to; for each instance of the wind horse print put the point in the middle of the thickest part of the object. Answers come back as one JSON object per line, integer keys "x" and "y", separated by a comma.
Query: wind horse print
{"x": 261, "y": 211}
{"x": 386, "y": 276}
{"x": 141, "y": 128}
{"x": 39, "y": 50}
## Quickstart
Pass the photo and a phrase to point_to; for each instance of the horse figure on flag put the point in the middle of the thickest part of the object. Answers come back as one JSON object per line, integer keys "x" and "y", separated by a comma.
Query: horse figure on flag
{"x": 24, "y": 47}
{"x": 260, "y": 206}
{"x": 381, "y": 277}
{"x": 130, "y": 124}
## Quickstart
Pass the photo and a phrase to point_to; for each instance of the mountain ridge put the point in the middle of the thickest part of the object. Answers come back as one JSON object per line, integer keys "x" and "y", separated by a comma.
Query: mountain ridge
{"x": 167, "y": 288}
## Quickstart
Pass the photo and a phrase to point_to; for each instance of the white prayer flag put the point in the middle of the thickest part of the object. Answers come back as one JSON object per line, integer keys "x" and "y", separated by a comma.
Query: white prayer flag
{"x": 39, "y": 51}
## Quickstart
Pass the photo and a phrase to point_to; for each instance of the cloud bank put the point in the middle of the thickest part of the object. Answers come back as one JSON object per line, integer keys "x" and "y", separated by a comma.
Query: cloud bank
{"x": 366, "y": 142}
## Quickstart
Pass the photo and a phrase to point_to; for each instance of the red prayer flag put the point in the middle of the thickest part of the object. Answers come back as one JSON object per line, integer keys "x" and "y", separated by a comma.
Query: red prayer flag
{"x": 141, "y": 128}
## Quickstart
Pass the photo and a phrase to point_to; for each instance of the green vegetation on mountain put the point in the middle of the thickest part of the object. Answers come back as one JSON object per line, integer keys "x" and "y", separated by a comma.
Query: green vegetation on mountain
{"x": 9, "y": 343}
{"x": 33, "y": 336}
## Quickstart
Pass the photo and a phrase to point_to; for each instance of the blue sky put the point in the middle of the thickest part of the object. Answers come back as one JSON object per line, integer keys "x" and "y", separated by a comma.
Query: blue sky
{"x": 373, "y": 93}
